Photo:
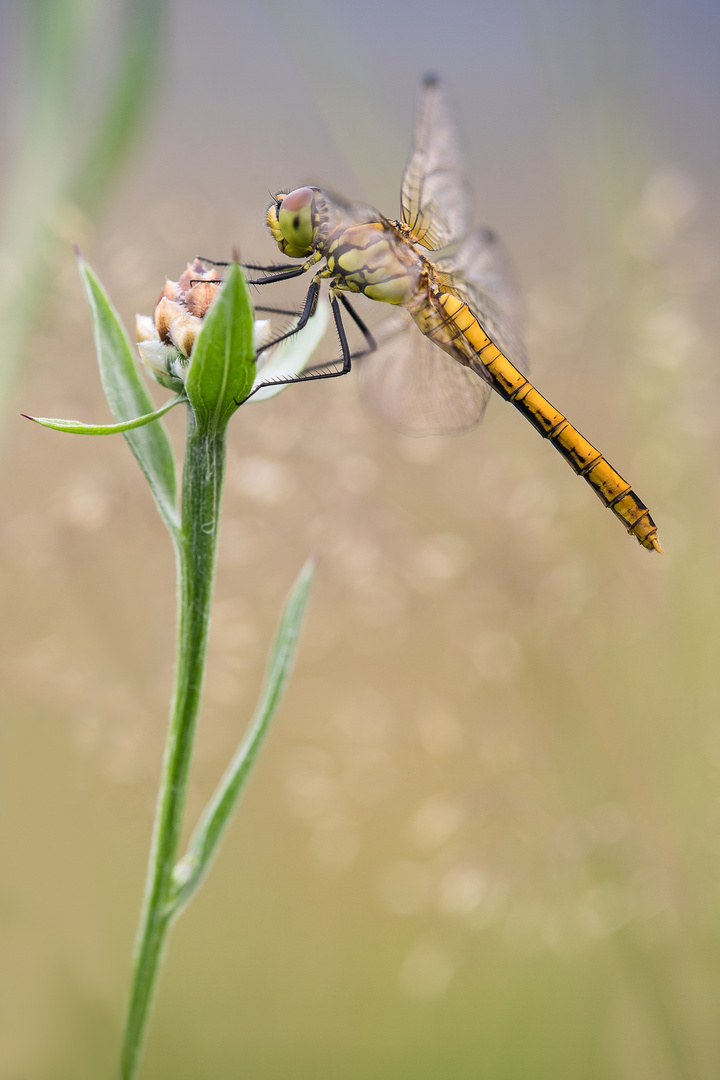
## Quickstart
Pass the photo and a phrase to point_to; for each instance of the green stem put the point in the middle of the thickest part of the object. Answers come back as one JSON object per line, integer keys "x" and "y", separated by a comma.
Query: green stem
{"x": 195, "y": 558}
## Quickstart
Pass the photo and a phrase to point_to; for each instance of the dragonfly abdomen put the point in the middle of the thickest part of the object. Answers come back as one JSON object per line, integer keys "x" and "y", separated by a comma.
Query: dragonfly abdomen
{"x": 580, "y": 455}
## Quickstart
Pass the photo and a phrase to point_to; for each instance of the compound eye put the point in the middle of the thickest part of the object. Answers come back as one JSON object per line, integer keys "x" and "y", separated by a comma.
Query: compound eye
{"x": 295, "y": 218}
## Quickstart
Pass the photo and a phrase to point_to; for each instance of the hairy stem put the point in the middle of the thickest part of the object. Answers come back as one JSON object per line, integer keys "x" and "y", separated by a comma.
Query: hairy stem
{"x": 195, "y": 559}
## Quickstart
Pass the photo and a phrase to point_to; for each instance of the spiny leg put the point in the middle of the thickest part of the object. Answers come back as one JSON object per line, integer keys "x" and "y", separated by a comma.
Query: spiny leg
{"x": 282, "y": 270}
{"x": 283, "y": 275}
{"x": 320, "y": 371}
{"x": 276, "y": 310}
{"x": 309, "y": 309}
{"x": 213, "y": 262}
{"x": 346, "y": 355}
{"x": 370, "y": 343}
{"x": 273, "y": 268}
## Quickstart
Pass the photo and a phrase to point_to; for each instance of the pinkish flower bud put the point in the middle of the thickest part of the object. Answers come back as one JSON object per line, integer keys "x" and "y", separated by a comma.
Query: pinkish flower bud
{"x": 184, "y": 303}
{"x": 166, "y": 341}
{"x": 199, "y": 298}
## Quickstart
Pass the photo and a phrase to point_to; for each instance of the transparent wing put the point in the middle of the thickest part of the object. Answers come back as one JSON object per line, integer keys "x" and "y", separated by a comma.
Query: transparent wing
{"x": 434, "y": 197}
{"x": 341, "y": 213}
{"x": 416, "y": 388}
{"x": 481, "y": 274}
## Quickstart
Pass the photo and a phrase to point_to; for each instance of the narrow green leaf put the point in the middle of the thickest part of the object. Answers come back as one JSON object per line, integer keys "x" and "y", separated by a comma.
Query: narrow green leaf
{"x": 222, "y": 365}
{"x": 128, "y": 398}
{"x": 139, "y": 67}
{"x": 190, "y": 871}
{"x": 76, "y": 427}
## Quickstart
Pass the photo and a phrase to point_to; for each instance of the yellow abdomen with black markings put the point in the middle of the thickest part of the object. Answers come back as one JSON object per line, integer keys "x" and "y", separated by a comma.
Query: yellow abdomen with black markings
{"x": 371, "y": 259}
{"x": 452, "y": 326}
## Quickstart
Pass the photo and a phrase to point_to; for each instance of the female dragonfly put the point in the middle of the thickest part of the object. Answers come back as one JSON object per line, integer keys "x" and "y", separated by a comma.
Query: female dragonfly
{"x": 454, "y": 285}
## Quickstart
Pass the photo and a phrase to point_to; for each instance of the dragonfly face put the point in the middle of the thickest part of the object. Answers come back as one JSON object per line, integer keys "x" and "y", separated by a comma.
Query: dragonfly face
{"x": 293, "y": 222}
{"x": 454, "y": 285}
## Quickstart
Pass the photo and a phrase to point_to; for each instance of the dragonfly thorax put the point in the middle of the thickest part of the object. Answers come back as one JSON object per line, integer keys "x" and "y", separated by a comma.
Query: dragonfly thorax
{"x": 371, "y": 258}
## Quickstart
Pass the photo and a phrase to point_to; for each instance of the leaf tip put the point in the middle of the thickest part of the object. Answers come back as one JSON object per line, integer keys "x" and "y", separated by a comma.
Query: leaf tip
{"x": 307, "y": 571}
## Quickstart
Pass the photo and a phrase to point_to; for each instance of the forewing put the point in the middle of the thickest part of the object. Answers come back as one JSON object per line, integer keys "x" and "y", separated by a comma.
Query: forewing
{"x": 415, "y": 387}
{"x": 481, "y": 274}
{"x": 343, "y": 213}
{"x": 434, "y": 197}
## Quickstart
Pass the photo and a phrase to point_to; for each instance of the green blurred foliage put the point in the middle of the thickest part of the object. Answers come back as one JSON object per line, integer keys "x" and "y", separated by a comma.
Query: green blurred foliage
{"x": 74, "y": 129}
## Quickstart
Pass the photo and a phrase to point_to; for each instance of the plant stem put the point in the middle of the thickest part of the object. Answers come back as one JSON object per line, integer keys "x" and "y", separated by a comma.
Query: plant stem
{"x": 195, "y": 561}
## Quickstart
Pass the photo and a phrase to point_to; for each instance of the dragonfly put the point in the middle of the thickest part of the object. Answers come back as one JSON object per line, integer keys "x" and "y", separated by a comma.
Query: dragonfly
{"x": 449, "y": 282}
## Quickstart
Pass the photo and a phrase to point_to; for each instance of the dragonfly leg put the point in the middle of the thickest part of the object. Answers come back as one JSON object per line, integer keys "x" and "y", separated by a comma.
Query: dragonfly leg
{"x": 346, "y": 355}
{"x": 309, "y": 309}
{"x": 370, "y": 343}
{"x": 276, "y": 310}
{"x": 277, "y": 272}
{"x": 283, "y": 275}
{"x": 321, "y": 371}
{"x": 213, "y": 262}
{"x": 273, "y": 268}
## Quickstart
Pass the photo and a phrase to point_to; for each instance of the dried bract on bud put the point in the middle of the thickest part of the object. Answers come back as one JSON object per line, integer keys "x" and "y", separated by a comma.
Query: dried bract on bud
{"x": 167, "y": 314}
{"x": 145, "y": 328}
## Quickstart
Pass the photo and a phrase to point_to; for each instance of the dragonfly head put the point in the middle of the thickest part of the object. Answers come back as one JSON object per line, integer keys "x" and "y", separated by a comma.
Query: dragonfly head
{"x": 293, "y": 221}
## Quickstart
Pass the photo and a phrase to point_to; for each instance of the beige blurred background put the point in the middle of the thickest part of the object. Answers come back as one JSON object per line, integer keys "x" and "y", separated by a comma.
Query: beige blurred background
{"x": 483, "y": 839}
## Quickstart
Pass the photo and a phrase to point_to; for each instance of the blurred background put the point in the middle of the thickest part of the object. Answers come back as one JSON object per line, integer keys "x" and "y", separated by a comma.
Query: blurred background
{"x": 484, "y": 837}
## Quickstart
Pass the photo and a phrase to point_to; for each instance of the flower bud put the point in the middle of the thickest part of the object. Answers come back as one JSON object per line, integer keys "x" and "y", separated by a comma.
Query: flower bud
{"x": 166, "y": 341}
{"x": 184, "y": 303}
